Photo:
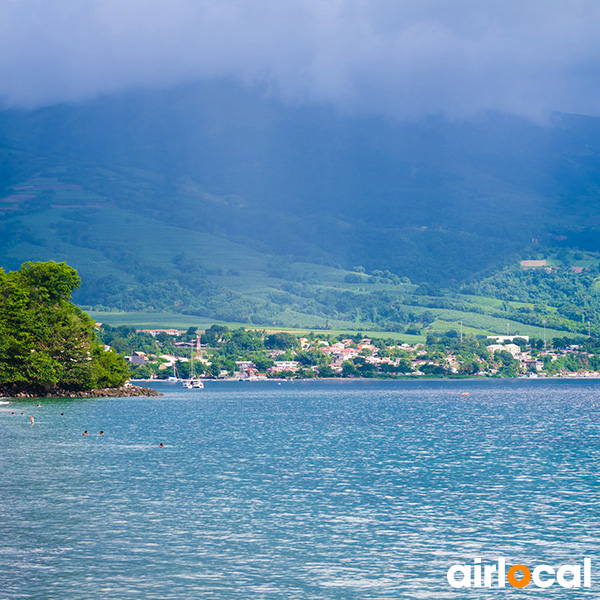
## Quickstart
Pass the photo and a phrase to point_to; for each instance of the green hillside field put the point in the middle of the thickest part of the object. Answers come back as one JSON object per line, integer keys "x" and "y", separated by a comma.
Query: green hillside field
{"x": 290, "y": 217}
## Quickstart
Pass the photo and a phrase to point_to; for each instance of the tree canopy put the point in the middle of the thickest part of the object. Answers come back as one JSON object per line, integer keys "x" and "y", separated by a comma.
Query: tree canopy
{"x": 46, "y": 342}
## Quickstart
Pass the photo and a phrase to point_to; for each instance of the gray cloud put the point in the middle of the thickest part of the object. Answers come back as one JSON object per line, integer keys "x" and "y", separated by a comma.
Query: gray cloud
{"x": 395, "y": 57}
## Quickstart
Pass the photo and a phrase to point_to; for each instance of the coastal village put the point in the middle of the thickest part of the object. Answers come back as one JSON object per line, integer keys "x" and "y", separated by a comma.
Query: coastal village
{"x": 250, "y": 355}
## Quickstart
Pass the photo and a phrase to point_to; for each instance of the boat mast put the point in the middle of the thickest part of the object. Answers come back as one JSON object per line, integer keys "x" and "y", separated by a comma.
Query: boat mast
{"x": 191, "y": 375}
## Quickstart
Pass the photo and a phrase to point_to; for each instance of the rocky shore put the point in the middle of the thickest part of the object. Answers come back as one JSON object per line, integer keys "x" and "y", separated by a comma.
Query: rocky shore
{"x": 127, "y": 391}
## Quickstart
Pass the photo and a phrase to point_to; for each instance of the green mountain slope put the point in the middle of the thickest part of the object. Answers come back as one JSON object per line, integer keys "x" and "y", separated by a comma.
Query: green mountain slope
{"x": 216, "y": 201}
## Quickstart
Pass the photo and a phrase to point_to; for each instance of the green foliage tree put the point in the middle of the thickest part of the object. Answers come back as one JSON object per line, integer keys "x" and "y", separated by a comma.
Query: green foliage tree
{"x": 46, "y": 341}
{"x": 262, "y": 362}
{"x": 327, "y": 371}
{"x": 214, "y": 335}
{"x": 432, "y": 369}
{"x": 469, "y": 368}
{"x": 214, "y": 370}
{"x": 348, "y": 369}
{"x": 311, "y": 358}
{"x": 281, "y": 341}
{"x": 404, "y": 366}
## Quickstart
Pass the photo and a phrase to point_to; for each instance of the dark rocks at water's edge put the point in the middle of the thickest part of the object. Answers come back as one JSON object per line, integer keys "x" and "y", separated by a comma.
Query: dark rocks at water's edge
{"x": 127, "y": 391}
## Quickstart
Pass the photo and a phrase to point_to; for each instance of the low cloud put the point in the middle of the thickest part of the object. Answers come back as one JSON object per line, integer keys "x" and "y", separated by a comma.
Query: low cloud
{"x": 394, "y": 57}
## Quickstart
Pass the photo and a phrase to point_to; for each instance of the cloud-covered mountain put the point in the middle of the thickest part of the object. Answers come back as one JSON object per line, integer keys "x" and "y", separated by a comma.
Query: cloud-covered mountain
{"x": 439, "y": 198}
{"x": 177, "y": 154}
{"x": 392, "y": 58}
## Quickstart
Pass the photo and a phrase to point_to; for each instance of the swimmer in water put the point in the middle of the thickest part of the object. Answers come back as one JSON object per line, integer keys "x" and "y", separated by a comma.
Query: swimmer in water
{"x": 102, "y": 433}
{"x": 38, "y": 405}
{"x": 32, "y": 421}
{"x": 161, "y": 445}
{"x": 85, "y": 432}
{"x": 12, "y": 414}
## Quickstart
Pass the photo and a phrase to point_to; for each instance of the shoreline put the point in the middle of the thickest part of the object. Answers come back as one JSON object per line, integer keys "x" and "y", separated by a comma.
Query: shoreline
{"x": 127, "y": 391}
{"x": 397, "y": 378}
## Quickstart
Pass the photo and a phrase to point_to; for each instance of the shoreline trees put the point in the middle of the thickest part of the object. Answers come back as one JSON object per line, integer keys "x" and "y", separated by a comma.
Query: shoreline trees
{"x": 46, "y": 342}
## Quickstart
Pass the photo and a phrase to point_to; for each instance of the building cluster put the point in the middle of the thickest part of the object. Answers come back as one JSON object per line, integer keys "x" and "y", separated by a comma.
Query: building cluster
{"x": 314, "y": 357}
{"x": 533, "y": 363}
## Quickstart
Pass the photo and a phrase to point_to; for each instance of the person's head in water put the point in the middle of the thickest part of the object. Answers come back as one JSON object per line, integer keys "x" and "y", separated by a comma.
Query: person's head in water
{"x": 102, "y": 433}
{"x": 85, "y": 432}
{"x": 161, "y": 445}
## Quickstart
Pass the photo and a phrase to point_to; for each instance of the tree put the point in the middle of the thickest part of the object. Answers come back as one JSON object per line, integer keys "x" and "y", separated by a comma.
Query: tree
{"x": 432, "y": 369}
{"x": 281, "y": 341}
{"x": 348, "y": 369}
{"x": 468, "y": 368}
{"x": 45, "y": 340}
{"x": 214, "y": 334}
{"x": 366, "y": 369}
{"x": 262, "y": 362}
{"x": 183, "y": 368}
{"x": 327, "y": 371}
{"x": 142, "y": 372}
{"x": 509, "y": 366}
{"x": 312, "y": 357}
{"x": 404, "y": 366}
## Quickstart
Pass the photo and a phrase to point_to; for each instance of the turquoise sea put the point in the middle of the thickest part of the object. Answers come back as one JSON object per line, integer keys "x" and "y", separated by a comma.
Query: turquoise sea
{"x": 298, "y": 490}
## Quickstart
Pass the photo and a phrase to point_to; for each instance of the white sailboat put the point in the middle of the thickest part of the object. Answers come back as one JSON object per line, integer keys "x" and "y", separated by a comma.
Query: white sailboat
{"x": 175, "y": 377}
{"x": 193, "y": 383}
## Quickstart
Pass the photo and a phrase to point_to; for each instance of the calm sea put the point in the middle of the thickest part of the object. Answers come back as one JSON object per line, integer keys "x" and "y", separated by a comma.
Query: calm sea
{"x": 300, "y": 490}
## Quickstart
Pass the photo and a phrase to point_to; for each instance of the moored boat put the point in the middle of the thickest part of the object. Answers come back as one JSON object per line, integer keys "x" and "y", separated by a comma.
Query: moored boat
{"x": 193, "y": 382}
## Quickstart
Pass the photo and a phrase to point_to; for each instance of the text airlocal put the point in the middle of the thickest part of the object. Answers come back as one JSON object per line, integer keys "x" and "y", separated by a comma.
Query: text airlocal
{"x": 499, "y": 575}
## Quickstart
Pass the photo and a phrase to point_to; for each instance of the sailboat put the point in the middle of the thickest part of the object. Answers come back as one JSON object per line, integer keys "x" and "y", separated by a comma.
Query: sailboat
{"x": 193, "y": 383}
{"x": 175, "y": 377}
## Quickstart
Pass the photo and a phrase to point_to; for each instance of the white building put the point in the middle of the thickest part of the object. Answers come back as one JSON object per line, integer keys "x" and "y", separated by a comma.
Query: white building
{"x": 512, "y": 348}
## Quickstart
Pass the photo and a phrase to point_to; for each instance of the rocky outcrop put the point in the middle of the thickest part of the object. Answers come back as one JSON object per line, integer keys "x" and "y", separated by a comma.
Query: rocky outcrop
{"x": 122, "y": 392}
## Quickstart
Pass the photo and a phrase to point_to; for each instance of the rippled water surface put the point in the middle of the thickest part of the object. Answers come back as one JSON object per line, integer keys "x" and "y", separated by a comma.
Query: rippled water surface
{"x": 298, "y": 490}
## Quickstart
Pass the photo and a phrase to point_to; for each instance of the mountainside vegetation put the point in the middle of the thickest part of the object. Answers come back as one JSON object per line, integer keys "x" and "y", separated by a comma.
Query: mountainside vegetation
{"x": 46, "y": 342}
{"x": 215, "y": 201}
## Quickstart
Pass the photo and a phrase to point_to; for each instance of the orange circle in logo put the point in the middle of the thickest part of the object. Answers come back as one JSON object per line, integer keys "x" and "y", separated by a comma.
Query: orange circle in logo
{"x": 519, "y": 583}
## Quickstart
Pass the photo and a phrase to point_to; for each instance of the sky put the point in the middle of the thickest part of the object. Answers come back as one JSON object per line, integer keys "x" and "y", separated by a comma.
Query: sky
{"x": 399, "y": 58}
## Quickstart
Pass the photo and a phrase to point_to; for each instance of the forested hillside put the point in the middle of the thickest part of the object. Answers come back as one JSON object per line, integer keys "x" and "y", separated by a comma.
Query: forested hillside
{"x": 217, "y": 201}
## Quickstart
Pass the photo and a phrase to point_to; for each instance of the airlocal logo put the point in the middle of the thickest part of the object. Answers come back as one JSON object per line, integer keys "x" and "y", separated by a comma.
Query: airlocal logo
{"x": 519, "y": 576}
